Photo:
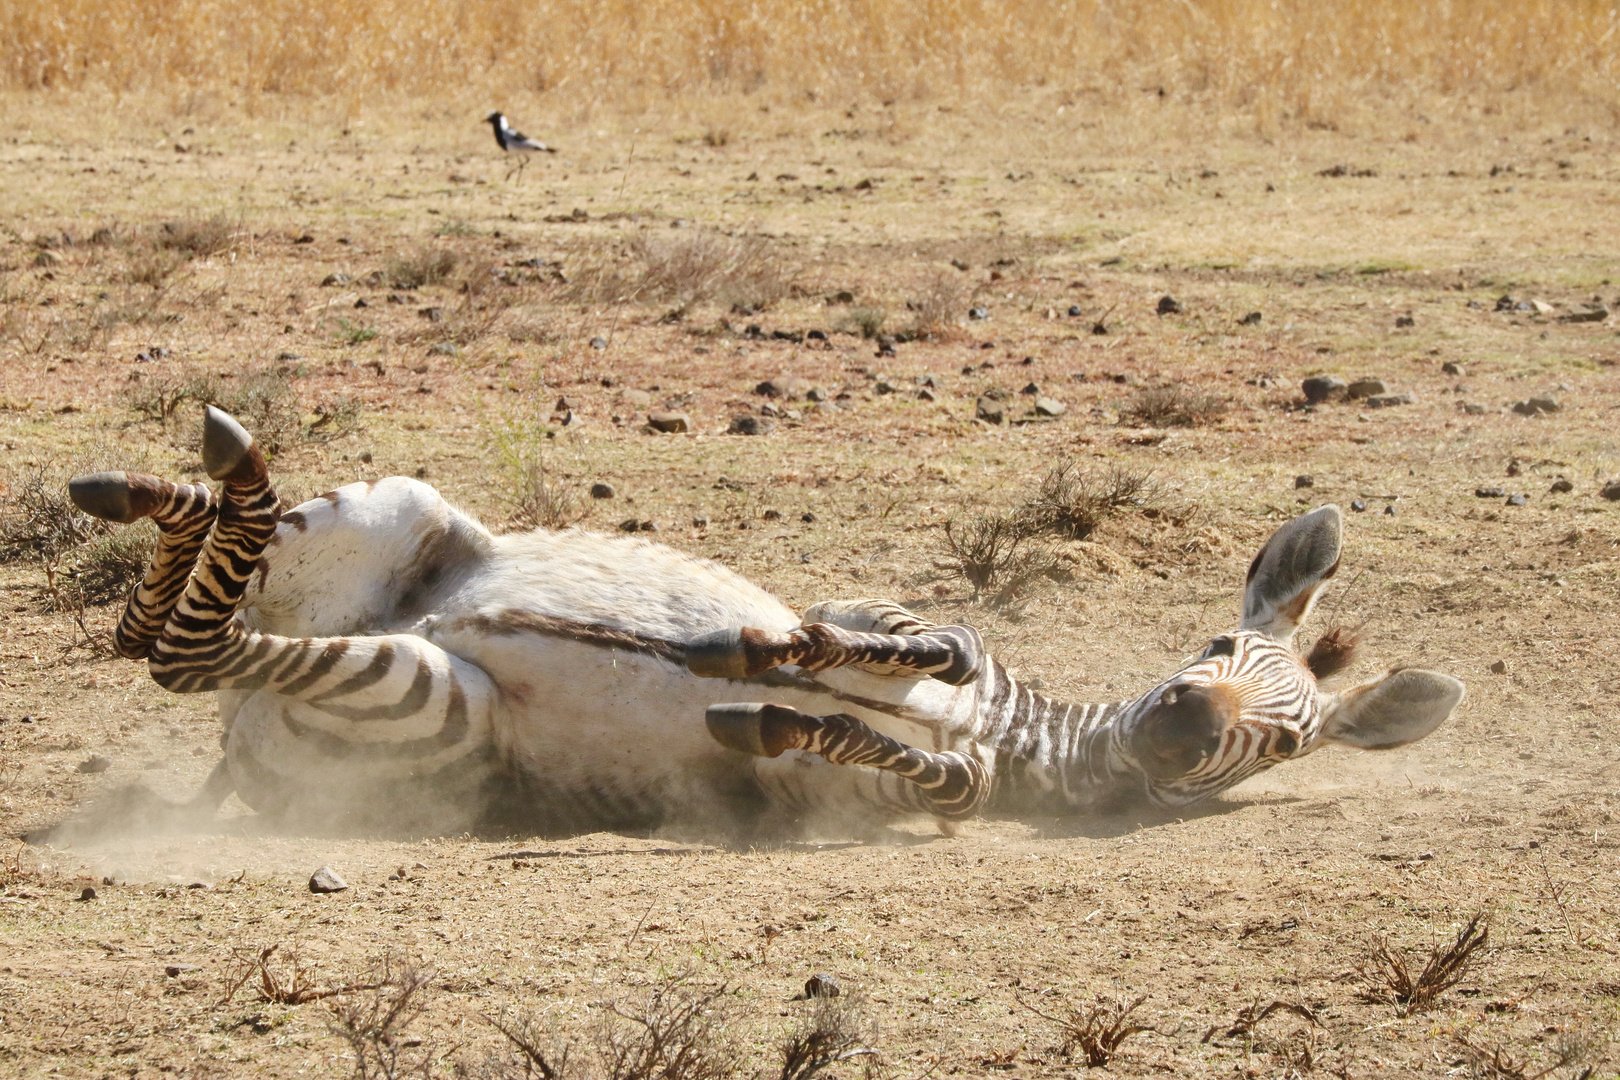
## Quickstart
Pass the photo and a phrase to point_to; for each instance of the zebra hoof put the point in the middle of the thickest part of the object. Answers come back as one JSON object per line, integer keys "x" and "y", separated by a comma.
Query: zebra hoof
{"x": 737, "y": 726}
{"x": 719, "y": 655}
{"x": 225, "y": 443}
{"x": 104, "y": 495}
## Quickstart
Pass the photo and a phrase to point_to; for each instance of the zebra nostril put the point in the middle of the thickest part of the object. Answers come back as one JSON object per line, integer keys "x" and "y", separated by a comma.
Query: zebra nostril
{"x": 1183, "y": 729}
{"x": 1287, "y": 743}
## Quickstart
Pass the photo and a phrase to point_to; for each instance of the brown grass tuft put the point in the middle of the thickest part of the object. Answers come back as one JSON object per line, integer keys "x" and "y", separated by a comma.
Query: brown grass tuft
{"x": 198, "y": 237}
{"x": 426, "y": 265}
{"x": 1173, "y": 405}
{"x": 1074, "y": 499}
{"x": 1097, "y": 1029}
{"x": 1389, "y": 979}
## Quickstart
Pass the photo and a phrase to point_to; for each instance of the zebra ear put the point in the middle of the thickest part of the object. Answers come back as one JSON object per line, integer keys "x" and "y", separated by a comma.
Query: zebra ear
{"x": 1289, "y": 570}
{"x": 1400, "y": 708}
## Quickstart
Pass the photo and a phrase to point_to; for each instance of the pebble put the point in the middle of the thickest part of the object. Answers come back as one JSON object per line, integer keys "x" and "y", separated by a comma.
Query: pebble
{"x": 808, "y": 518}
{"x": 601, "y": 490}
{"x": 174, "y": 971}
{"x": 1505, "y": 303}
{"x": 1451, "y": 367}
{"x": 791, "y": 387}
{"x": 1389, "y": 511}
{"x": 1357, "y": 505}
{"x": 1051, "y": 407}
{"x": 1591, "y": 314}
{"x": 636, "y": 399}
{"x": 818, "y": 394}
{"x": 1032, "y": 390}
{"x": 1611, "y": 490}
{"x": 1366, "y": 388}
{"x": 670, "y": 422}
{"x": 1516, "y": 500}
{"x": 598, "y": 343}
{"x": 978, "y": 313}
{"x": 87, "y": 893}
{"x": 1489, "y": 492}
{"x": 931, "y": 380}
{"x": 326, "y": 880}
{"x": 1251, "y": 319}
{"x": 1304, "y": 480}
{"x": 1404, "y": 320}
{"x": 927, "y": 394}
{"x": 1389, "y": 401}
{"x": 991, "y": 410}
{"x": 1074, "y": 311}
{"x": 885, "y": 385}
{"x": 1169, "y": 305}
{"x": 1319, "y": 388}
{"x": 331, "y": 280}
{"x": 630, "y": 525}
{"x": 699, "y": 521}
{"x": 1541, "y": 307}
{"x": 95, "y": 763}
{"x": 1473, "y": 408}
{"x": 431, "y": 314}
{"x": 1499, "y": 667}
{"x": 1561, "y": 486}
{"x": 1544, "y": 403}
{"x": 749, "y": 424}
{"x": 822, "y": 985}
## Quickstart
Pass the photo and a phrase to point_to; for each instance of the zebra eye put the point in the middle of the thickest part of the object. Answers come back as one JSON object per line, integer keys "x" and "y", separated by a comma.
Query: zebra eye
{"x": 1221, "y": 646}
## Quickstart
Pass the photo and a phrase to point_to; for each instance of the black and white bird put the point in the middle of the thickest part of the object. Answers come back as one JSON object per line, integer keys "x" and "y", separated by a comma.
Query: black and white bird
{"x": 515, "y": 142}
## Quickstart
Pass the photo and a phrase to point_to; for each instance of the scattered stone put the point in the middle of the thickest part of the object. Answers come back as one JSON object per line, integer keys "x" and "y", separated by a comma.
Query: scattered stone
{"x": 671, "y": 422}
{"x": 1320, "y": 388}
{"x": 1537, "y": 405}
{"x": 1366, "y": 388}
{"x": 599, "y": 343}
{"x": 87, "y": 893}
{"x": 364, "y": 456}
{"x": 1516, "y": 500}
{"x": 326, "y": 880}
{"x": 1473, "y": 408}
{"x": 1251, "y": 319}
{"x": 790, "y": 387}
{"x": 699, "y": 521}
{"x": 991, "y": 410}
{"x": 808, "y": 518}
{"x": 1304, "y": 480}
{"x": 772, "y": 515}
{"x": 816, "y": 335}
{"x": 1489, "y": 492}
{"x": 1561, "y": 486}
{"x": 822, "y": 985}
{"x": 174, "y": 971}
{"x": 1032, "y": 390}
{"x": 445, "y": 348}
{"x": 95, "y": 763}
{"x": 431, "y": 314}
{"x": 1389, "y": 511}
{"x": 630, "y": 525}
{"x": 768, "y": 409}
{"x": 1074, "y": 311}
{"x": 331, "y": 280}
{"x": 1357, "y": 506}
{"x": 636, "y": 399}
{"x": 1050, "y": 407}
{"x": 817, "y": 394}
{"x": 998, "y": 393}
{"x": 978, "y": 313}
{"x": 1611, "y": 490}
{"x": 1169, "y": 305}
{"x": 1499, "y": 667}
{"x": 602, "y": 490}
{"x": 1404, "y": 321}
{"x": 969, "y": 369}
{"x": 927, "y": 394}
{"x": 929, "y": 379}
{"x": 1541, "y": 307}
{"x": 1451, "y": 367}
{"x": 1389, "y": 401}
{"x": 1505, "y": 303}
{"x": 749, "y": 424}
{"x": 361, "y": 303}
{"x": 885, "y": 385}
{"x": 1591, "y": 314}
{"x": 1513, "y": 468}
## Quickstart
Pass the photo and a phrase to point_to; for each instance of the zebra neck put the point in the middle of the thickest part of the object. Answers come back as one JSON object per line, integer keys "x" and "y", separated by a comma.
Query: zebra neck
{"x": 1052, "y": 754}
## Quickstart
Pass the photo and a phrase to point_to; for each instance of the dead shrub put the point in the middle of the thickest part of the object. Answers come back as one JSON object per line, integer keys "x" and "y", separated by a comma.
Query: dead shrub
{"x": 1569, "y": 1049}
{"x": 151, "y": 268}
{"x": 1097, "y": 1029}
{"x": 938, "y": 308}
{"x": 702, "y": 266}
{"x": 426, "y": 265}
{"x": 836, "y": 1030}
{"x": 263, "y": 400}
{"x": 1173, "y": 405}
{"x": 39, "y": 521}
{"x": 158, "y": 399}
{"x": 1389, "y": 980}
{"x": 997, "y": 554}
{"x": 867, "y": 321}
{"x": 1073, "y": 499}
{"x": 289, "y": 980}
{"x": 372, "y": 1017}
{"x": 198, "y": 237}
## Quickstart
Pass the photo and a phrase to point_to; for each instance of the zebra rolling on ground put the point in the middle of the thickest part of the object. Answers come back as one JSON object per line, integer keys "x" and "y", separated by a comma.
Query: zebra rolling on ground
{"x": 381, "y": 658}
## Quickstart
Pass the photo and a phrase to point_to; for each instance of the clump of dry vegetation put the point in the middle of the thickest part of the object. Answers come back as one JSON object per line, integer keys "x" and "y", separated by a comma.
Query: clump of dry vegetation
{"x": 1389, "y": 978}
{"x": 1173, "y": 405}
{"x": 264, "y": 401}
{"x": 1569, "y": 1049}
{"x": 690, "y": 268}
{"x": 1074, "y": 499}
{"x": 939, "y": 307}
{"x": 198, "y": 237}
{"x": 536, "y": 494}
{"x": 1000, "y": 555}
{"x": 425, "y": 265}
{"x": 1096, "y": 1029}
{"x": 87, "y": 561}
{"x": 372, "y": 1017}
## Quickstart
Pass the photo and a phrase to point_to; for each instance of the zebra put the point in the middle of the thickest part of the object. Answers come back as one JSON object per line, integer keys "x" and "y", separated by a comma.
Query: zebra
{"x": 382, "y": 658}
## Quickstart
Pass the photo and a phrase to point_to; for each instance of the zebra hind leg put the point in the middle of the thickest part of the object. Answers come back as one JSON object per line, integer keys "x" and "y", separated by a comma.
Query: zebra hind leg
{"x": 951, "y": 654}
{"x": 948, "y": 785}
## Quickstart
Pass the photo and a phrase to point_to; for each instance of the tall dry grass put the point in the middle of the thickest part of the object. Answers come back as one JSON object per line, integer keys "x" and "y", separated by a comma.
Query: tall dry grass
{"x": 1280, "y": 58}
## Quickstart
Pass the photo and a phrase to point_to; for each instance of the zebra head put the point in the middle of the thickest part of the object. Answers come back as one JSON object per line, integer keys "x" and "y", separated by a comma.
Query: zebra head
{"x": 1249, "y": 700}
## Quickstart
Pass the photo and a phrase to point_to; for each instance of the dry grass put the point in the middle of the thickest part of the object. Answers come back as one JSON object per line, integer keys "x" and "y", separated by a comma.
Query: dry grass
{"x": 999, "y": 555}
{"x": 198, "y": 237}
{"x": 372, "y": 1016}
{"x": 688, "y": 268}
{"x": 426, "y": 265}
{"x": 1074, "y": 499}
{"x": 1172, "y": 405}
{"x": 1096, "y": 1029}
{"x": 1293, "y": 59}
{"x": 1388, "y": 977}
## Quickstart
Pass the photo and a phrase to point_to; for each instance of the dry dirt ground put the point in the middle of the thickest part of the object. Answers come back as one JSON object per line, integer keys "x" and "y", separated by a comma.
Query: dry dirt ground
{"x": 1390, "y": 267}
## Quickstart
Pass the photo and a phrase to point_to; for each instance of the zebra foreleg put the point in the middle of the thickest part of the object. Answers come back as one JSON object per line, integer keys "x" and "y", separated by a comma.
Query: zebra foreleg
{"x": 951, "y": 654}
{"x": 183, "y": 514}
{"x": 948, "y": 785}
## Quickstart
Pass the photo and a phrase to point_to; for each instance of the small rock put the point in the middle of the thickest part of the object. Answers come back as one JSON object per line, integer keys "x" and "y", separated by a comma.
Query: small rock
{"x": 87, "y": 893}
{"x": 817, "y": 394}
{"x": 636, "y": 399}
{"x": 1516, "y": 500}
{"x": 326, "y": 880}
{"x": 699, "y": 521}
{"x": 1473, "y": 408}
{"x": 1032, "y": 390}
{"x": 808, "y": 518}
{"x": 772, "y": 515}
{"x": 821, "y": 985}
{"x": 1389, "y": 511}
{"x": 1404, "y": 320}
{"x": 998, "y": 393}
{"x": 431, "y": 314}
{"x": 361, "y": 303}
{"x": 1366, "y": 388}
{"x": 335, "y": 279}
{"x": 927, "y": 394}
{"x": 1611, "y": 490}
{"x": 1505, "y": 303}
{"x": 649, "y": 526}
{"x": 1357, "y": 505}
{"x": 885, "y": 385}
{"x": 630, "y": 525}
{"x": 1169, "y": 305}
{"x": 990, "y": 410}
{"x": 790, "y": 387}
{"x": 1389, "y": 401}
{"x": 1489, "y": 492}
{"x": 1051, "y": 407}
{"x": 1541, "y": 307}
{"x": 1499, "y": 667}
{"x": 1561, "y": 486}
{"x": 1304, "y": 480}
{"x": 672, "y": 422}
{"x": 931, "y": 380}
{"x": 602, "y": 490}
{"x": 768, "y": 409}
{"x": 598, "y": 343}
{"x": 1514, "y": 468}
{"x": 364, "y": 456}
{"x": 1591, "y": 314}
{"x": 445, "y": 348}
{"x": 978, "y": 313}
{"x": 1537, "y": 405}
{"x": 174, "y": 971}
{"x": 1320, "y": 388}
{"x": 749, "y": 424}
{"x": 1451, "y": 367}
{"x": 95, "y": 763}
{"x": 1074, "y": 311}
{"x": 816, "y": 335}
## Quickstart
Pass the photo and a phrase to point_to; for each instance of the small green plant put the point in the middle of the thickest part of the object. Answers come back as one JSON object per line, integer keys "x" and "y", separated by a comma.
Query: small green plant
{"x": 354, "y": 333}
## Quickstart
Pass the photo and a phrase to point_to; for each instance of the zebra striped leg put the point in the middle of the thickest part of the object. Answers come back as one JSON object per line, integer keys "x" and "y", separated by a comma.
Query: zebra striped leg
{"x": 949, "y": 785}
{"x": 183, "y": 514}
{"x": 951, "y": 654}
